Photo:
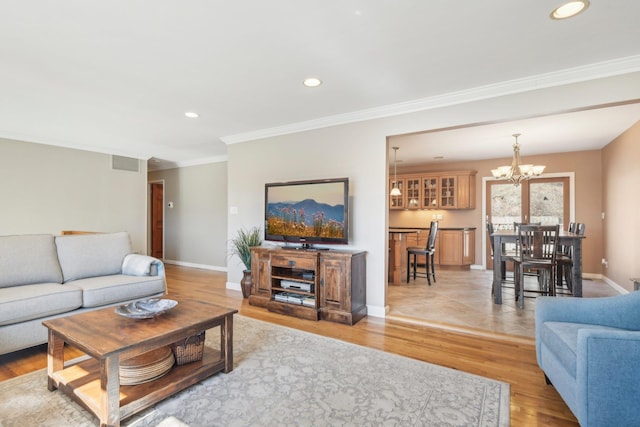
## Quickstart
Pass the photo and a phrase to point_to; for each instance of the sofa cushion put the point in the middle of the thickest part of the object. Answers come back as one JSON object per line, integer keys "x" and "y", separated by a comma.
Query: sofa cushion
{"x": 97, "y": 291}
{"x": 91, "y": 255}
{"x": 561, "y": 338}
{"x": 28, "y": 259}
{"x": 22, "y": 303}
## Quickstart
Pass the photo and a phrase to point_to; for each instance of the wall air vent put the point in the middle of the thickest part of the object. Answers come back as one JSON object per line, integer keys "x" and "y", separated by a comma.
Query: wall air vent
{"x": 125, "y": 163}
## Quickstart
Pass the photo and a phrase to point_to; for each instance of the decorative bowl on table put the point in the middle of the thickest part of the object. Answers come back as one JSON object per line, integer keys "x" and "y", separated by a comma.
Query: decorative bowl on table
{"x": 146, "y": 309}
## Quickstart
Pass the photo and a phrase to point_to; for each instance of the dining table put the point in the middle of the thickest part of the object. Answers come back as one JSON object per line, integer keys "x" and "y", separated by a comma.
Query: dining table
{"x": 566, "y": 238}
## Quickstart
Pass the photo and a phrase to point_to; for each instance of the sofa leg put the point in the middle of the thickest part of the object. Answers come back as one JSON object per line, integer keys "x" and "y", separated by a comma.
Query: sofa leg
{"x": 547, "y": 380}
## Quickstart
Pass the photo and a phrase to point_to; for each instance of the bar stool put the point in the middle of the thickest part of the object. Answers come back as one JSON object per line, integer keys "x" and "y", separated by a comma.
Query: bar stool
{"x": 428, "y": 251}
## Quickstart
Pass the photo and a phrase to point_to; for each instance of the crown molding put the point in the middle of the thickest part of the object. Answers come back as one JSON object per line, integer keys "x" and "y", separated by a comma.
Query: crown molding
{"x": 164, "y": 165}
{"x": 557, "y": 78}
{"x": 203, "y": 161}
{"x": 36, "y": 139}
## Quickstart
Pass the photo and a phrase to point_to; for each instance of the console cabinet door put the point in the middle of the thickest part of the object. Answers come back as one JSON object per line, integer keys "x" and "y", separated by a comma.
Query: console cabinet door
{"x": 335, "y": 284}
{"x": 261, "y": 274}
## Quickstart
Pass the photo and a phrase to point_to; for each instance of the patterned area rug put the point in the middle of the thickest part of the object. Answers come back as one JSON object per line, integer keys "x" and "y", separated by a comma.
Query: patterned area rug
{"x": 286, "y": 377}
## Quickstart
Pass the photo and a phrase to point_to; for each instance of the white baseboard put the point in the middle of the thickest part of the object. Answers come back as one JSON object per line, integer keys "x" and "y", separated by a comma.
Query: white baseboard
{"x": 477, "y": 267}
{"x": 605, "y": 279}
{"x": 614, "y": 285}
{"x": 377, "y": 311}
{"x": 193, "y": 265}
{"x": 234, "y": 286}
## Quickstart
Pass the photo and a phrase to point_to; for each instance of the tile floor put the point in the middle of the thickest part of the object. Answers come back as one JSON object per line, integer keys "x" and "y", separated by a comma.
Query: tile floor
{"x": 463, "y": 298}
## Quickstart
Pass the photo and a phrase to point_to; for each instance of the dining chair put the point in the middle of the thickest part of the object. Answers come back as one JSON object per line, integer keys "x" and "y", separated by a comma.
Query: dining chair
{"x": 564, "y": 260}
{"x": 505, "y": 256}
{"x": 537, "y": 247}
{"x": 428, "y": 251}
{"x": 512, "y": 249}
{"x": 516, "y": 225}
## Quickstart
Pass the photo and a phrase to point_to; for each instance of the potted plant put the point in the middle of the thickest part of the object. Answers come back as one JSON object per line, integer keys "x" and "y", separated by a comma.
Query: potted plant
{"x": 241, "y": 246}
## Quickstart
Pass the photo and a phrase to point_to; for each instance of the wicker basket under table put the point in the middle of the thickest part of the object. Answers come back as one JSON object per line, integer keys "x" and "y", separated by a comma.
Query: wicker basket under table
{"x": 189, "y": 349}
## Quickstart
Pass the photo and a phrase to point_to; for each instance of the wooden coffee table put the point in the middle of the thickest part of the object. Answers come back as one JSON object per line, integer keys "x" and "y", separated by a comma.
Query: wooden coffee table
{"x": 109, "y": 338}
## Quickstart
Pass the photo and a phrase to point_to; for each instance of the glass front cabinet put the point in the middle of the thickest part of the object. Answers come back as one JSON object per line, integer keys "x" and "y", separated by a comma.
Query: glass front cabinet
{"x": 448, "y": 190}
{"x": 430, "y": 192}
{"x": 397, "y": 202}
{"x": 413, "y": 192}
{"x": 435, "y": 190}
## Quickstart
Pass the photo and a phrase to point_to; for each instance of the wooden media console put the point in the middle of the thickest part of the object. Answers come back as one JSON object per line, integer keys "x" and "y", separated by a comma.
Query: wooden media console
{"x": 310, "y": 284}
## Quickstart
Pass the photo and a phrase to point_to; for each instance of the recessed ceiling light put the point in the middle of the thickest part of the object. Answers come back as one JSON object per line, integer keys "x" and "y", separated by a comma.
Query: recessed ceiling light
{"x": 192, "y": 115}
{"x": 312, "y": 82}
{"x": 569, "y": 9}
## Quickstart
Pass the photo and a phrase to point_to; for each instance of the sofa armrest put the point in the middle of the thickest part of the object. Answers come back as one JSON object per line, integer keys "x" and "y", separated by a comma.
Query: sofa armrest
{"x": 608, "y": 376}
{"x": 142, "y": 265}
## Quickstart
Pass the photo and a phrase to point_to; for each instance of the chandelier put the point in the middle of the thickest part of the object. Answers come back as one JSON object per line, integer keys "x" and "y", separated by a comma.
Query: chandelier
{"x": 516, "y": 173}
{"x": 395, "y": 191}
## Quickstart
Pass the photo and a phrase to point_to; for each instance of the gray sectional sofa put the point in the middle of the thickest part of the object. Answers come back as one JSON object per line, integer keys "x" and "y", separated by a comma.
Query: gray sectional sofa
{"x": 44, "y": 276}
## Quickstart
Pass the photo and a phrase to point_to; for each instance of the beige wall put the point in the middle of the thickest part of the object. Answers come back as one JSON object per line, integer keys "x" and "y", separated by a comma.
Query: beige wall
{"x": 317, "y": 155}
{"x": 621, "y": 205}
{"x": 196, "y": 227}
{"x": 586, "y": 166}
{"x": 359, "y": 151}
{"x": 46, "y": 189}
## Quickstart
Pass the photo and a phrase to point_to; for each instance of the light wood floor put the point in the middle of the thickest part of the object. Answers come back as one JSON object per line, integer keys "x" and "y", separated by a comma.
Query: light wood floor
{"x": 501, "y": 357}
{"x": 463, "y": 298}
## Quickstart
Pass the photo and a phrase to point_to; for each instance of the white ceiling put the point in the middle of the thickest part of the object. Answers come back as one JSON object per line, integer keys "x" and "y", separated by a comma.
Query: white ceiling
{"x": 590, "y": 129}
{"x": 117, "y": 76}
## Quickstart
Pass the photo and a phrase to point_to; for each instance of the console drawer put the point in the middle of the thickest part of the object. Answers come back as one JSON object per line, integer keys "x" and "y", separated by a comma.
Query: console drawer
{"x": 294, "y": 262}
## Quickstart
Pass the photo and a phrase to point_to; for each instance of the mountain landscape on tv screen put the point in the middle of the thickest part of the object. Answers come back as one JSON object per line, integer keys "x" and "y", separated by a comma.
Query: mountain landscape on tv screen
{"x": 305, "y": 218}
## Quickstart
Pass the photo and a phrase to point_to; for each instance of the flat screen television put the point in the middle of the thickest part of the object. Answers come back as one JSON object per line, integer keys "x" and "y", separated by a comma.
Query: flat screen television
{"x": 307, "y": 212}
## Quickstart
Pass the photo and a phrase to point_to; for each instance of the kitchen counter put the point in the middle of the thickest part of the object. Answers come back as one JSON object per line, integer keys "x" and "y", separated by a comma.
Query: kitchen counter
{"x": 455, "y": 248}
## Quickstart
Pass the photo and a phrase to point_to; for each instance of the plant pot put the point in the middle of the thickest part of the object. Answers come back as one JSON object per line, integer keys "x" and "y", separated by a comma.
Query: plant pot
{"x": 245, "y": 283}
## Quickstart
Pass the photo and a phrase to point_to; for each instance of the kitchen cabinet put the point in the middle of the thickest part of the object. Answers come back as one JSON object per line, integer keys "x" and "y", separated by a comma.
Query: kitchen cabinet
{"x": 430, "y": 192}
{"x": 398, "y": 202}
{"x": 435, "y": 190}
{"x": 414, "y": 193}
{"x": 456, "y": 247}
{"x": 458, "y": 190}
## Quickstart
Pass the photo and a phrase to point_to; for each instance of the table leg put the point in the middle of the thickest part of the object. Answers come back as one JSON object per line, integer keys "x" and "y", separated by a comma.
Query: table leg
{"x": 55, "y": 358}
{"x": 497, "y": 273}
{"x": 110, "y": 391}
{"x": 576, "y": 271}
{"x": 226, "y": 342}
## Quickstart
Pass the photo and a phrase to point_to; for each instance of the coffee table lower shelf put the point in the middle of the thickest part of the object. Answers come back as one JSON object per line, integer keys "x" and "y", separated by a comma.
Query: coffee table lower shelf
{"x": 81, "y": 381}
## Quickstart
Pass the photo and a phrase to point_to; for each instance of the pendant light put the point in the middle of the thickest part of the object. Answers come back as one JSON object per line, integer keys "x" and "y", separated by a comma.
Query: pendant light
{"x": 516, "y": 173}
{"x": 395, "y": 191}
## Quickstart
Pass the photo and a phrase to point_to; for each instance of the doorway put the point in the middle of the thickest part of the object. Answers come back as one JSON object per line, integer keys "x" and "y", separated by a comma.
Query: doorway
{"x": 156, "y": 219}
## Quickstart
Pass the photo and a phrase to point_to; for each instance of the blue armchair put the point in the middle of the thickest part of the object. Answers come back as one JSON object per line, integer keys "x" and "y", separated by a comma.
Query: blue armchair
{"x": 589, "y": 349}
